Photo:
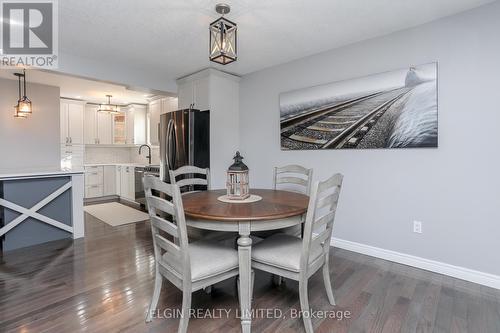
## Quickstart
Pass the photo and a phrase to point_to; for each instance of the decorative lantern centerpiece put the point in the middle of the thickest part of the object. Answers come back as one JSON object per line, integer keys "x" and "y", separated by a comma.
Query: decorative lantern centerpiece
{"x": 237, "y": 179}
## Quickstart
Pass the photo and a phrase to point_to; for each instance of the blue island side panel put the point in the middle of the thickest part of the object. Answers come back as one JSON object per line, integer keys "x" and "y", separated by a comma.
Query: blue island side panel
{"x": 27, "y": 193}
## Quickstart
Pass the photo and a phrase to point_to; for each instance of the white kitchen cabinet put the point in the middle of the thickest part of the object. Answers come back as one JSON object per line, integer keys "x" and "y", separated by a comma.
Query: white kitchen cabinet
{"x": 168, "y": 104}
{"x": 94, "y": 181}
{"x": 63, "y": 122}
{"x": 127, "y": 183}
{"x": 109, "y": 180}
{"x": 185, "y": 95}
{"x": 154, "y": 121}
{"x": 72, "y": 156}
{"x": 194, "y": 93}
{"x": 71, "y": 121}
{"x": 119, "y": 128}
{"x": 157, "y": 108}
{"x": 90, "y": 125}
{"x": 136, "y": 124}
{"x": 218, "y": 92}
{"x": 93, "y": 191}
{"x": 104, "y": 128}
{"x": 118, "y": 177}
{"x": 201, "y": 91}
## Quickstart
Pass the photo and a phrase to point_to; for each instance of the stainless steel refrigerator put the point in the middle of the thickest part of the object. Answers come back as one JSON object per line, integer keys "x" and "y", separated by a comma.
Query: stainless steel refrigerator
{"x": 184, "y": 140}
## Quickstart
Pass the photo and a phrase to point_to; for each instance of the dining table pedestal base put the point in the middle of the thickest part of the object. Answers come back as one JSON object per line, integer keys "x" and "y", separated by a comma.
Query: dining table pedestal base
{"x": 245, "y": 257}
{"x": 277, "y": 210}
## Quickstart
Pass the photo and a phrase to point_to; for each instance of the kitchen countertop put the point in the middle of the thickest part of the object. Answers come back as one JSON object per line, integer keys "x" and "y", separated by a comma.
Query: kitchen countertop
{"x": 33, "y": 172}
{"x": 124, "y": 164}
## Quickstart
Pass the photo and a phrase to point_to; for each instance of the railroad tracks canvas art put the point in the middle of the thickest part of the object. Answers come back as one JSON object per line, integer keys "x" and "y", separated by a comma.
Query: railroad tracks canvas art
{"x": 397, "y": 109}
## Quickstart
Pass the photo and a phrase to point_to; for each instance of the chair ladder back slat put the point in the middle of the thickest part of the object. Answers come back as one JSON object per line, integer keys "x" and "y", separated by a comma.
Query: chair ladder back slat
{"x": 330, "y": 199}
{"x": 291, "y": 180}
{"x": 335, "y": 180}
{"x": 176, "y": 210}
{"x": 168, "y": 246}
{"x": 190, "y": 172}
{"x": 324, "y": 219}
{"x": 320, "y": 238}
{"x": 294, "y": 175}
{"x": 151, "y": 184}
{"x": 319, "y": 201}
{"x": 165, "y": 225}
{"x": 293, "y": 168}
{"x": 191, "y": 181}
{"x": 160, "y": 204}
{"x": 189, "y": 169}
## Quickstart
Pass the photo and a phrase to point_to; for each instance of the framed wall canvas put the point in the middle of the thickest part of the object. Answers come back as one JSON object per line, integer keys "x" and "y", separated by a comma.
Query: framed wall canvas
{"x": 397, "y": 109}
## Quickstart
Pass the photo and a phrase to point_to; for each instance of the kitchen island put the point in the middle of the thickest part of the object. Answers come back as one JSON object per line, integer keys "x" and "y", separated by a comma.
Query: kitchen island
{"x": 39, "y": 205}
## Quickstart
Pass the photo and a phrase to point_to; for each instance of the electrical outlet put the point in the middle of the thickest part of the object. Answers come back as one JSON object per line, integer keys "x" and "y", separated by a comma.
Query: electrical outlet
{"x": 417, "y": 227}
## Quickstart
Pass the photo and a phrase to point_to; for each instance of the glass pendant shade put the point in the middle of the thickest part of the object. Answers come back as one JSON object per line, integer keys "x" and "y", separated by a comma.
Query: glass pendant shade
{"x": 18, "y": 114}
{"x": 23, "y": 108}
{"x": 223, "y": 41}
{"x": 108, "y": 107}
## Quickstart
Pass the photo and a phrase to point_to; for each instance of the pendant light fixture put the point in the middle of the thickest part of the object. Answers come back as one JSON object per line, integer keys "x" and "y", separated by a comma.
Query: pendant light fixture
{"x": 108, "y": 107}
{"x": 222, "y": 37}
{"x": 24, "y": 106}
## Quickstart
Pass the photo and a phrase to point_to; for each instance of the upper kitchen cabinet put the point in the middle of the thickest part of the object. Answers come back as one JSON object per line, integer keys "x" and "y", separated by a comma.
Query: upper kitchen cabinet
{"x": 98, "y": 126}
{"x": 119, "y": 128}
{"x": 72, "y": 114}
{"x": 218, "y": 92}
{"x": 104, "y": 128}
{"x": 136, "y": 124}
{"x": 156, "y": 108}
{"x": 194, "y": 92}
{"x": 154, "y": 121}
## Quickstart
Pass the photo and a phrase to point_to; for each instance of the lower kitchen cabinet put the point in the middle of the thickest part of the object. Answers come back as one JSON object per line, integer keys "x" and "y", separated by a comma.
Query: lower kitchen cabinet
{"x": 94, "y": 181}
{"x": 127, "y": 183}
{"x": 108, "y": 180}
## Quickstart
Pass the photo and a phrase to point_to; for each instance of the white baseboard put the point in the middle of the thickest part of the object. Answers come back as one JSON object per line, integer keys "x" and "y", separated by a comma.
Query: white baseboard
{"x": 463, "y": 273}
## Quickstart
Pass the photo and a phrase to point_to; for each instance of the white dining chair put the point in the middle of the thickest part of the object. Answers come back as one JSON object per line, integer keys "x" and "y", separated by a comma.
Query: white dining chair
{"x": 189, "y": 266}
{"x": 298, "y": 259}
{"x": 293, "y": 178}
{"x": 195, "y": 179}
{"x": 192, "y": 178}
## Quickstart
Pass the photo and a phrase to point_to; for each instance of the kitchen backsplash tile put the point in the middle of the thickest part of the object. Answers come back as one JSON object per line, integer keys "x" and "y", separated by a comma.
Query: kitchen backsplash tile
{"x": 136, "y": 158}
{"x": 107, "y": 155}
{"x": 120, "y": 155}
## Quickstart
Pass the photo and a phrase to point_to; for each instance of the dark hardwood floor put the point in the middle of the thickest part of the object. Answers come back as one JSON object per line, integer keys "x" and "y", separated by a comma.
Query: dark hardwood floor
{"x": 104, "y": 282}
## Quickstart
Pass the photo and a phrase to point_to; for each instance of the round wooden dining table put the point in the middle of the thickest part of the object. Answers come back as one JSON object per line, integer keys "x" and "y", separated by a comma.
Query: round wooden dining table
{"x": 277, "y": 209}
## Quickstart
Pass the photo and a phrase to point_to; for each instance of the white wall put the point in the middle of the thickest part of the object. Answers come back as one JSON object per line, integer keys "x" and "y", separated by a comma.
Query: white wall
{"x": 31, "y": 142}
{"x": 454, "y": 189}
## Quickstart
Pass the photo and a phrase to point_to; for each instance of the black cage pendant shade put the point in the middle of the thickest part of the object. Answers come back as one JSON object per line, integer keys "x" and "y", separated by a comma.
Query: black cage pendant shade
{"x": 223, "y": 38}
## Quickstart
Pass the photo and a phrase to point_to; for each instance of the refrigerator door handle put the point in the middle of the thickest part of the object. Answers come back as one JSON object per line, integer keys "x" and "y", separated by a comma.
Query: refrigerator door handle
{"x": 167, "y": 144}
{"x": 174, "y": 145}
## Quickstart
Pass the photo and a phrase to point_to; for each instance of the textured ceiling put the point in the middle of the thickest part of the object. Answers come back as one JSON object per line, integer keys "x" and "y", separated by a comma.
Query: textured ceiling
{"x": 171, "y": 36}
{"x": 78, "y": 88}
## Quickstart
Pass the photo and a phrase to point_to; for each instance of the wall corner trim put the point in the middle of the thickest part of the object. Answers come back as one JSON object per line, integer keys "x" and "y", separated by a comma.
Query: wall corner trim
{"x": 458, "y": 272}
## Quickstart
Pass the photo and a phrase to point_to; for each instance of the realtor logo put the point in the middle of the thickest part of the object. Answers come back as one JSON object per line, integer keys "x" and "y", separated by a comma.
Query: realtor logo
{"x": 28, "y": 33}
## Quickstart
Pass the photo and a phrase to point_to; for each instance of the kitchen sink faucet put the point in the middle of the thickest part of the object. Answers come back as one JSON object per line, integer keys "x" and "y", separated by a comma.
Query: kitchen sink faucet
{"x": 148, "y": 156}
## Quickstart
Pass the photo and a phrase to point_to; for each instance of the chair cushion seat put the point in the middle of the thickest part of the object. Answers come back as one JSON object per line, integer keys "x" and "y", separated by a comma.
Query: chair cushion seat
{"x": 208, "y": 258}
{"x": 283, "y": 251}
